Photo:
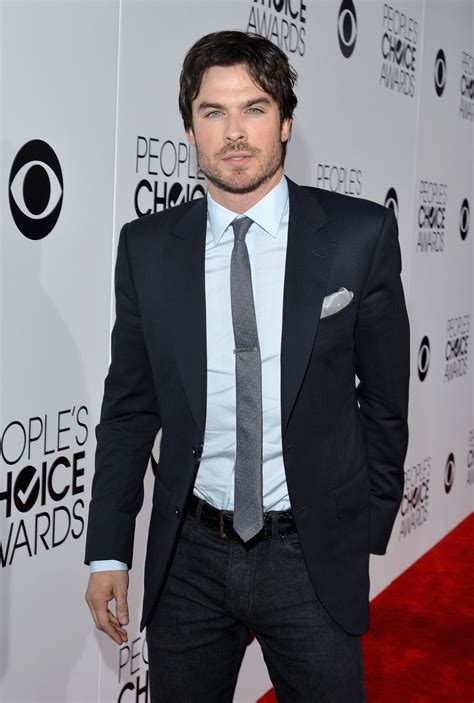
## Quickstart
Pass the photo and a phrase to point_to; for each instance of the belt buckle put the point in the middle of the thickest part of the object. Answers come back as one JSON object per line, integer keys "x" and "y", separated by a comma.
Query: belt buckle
{"x": 221, "y": 525}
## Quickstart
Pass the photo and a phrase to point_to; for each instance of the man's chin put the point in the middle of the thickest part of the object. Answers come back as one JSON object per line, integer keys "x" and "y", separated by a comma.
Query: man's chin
{"x": 239, "y": 185}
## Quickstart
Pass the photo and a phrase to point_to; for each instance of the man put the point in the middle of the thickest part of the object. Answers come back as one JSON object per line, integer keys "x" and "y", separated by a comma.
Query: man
{"x": 242, "y": 320}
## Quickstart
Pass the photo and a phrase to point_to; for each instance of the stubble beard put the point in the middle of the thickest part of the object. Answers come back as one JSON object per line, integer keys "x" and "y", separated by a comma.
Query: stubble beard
{"x": 236, "y": 182}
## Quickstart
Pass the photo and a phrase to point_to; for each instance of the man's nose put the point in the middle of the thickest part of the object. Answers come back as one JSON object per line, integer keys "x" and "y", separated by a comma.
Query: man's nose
{"x": 235, "y": 128}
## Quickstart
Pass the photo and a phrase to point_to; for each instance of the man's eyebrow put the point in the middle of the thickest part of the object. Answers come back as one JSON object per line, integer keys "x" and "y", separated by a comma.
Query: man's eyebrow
{"x": 257, "y": 101}
{"x": 205, "y": 106}
{"x": 217, "y": 106}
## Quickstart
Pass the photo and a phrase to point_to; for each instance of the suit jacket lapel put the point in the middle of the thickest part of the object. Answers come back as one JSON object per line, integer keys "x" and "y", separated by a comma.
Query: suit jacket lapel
{"x": 309, "y": 256}
{"x": 187, "y": 305}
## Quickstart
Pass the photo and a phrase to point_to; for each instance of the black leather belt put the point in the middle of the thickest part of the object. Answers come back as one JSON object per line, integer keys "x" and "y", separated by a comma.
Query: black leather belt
{"x": 275, "y": 523}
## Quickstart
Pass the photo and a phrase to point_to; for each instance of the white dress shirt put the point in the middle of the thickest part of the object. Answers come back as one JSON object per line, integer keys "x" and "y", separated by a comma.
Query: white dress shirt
{"x": 266, "y": 243}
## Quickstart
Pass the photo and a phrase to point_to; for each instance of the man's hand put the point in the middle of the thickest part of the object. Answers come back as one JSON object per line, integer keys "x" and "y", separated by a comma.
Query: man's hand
{"x": 103, "y": 587}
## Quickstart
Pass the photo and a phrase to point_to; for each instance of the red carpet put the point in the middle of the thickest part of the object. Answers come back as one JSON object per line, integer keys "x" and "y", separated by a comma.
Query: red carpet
{"x": 419, "y": 646}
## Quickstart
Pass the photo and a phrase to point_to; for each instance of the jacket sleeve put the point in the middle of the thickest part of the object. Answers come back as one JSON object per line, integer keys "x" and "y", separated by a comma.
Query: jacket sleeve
{"x": 382, "y": 359}
{"x": 129, "y": 422}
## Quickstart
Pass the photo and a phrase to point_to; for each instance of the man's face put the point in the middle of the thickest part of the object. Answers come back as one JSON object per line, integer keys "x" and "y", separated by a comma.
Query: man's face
{"x": 237, "y": 131}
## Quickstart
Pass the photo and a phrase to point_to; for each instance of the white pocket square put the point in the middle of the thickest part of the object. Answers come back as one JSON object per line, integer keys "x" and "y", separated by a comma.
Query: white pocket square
{"x": 336, "y": 301}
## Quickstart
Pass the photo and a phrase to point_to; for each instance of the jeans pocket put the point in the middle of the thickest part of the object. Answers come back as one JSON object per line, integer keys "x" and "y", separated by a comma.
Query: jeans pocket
{"x": 291, "y": 541}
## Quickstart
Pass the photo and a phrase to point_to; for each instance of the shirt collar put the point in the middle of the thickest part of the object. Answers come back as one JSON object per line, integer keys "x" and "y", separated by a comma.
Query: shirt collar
{"x": 267, "y": 213}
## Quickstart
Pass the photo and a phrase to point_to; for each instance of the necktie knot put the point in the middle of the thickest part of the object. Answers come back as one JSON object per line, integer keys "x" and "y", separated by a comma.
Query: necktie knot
{"x": 241, "y": 226}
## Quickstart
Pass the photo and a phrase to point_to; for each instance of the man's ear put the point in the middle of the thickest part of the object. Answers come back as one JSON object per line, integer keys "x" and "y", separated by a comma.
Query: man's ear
{"x": 286, "y": 129}
{"x": 190, "y": 137}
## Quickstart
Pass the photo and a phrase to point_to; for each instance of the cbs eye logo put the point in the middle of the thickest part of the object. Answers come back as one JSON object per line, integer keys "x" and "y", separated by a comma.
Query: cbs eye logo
{"x": 35, "y": 189}
{"x": 424, "y": 356}
{"x": 440, "y": 73}
{"x": 449, "y": 472}
{"x": 347, "y": 28}
{"x": 464, "y": 219}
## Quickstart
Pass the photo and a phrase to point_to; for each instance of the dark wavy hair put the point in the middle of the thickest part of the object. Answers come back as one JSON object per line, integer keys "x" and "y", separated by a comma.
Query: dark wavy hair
{"x": 266, "y": 63}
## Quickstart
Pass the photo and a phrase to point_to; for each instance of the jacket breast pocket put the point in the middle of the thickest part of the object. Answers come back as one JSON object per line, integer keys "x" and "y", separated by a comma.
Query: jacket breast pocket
{"x": 337, "y": 329}
{"x": 337, "y": 317}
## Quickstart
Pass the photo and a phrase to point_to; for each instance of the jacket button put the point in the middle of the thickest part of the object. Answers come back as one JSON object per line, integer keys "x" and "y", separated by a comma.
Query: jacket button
{"x": 177, "y": 513}
{"x": 194, "y": 452}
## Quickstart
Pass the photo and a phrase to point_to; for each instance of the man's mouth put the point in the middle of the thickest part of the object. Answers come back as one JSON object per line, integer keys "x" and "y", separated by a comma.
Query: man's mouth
{"x": 237, "y": 158}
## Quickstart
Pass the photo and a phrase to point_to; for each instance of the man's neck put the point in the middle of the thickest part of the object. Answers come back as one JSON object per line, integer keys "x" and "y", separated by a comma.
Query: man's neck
{"x": 241, "y": 202}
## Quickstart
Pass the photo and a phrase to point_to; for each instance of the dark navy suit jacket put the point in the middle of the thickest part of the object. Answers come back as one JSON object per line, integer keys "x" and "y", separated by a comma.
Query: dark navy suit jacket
{"x": 343, "y": 447}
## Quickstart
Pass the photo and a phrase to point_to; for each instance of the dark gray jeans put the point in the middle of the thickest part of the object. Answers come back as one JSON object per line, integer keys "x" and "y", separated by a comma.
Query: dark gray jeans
{"x": 215, "y": 592}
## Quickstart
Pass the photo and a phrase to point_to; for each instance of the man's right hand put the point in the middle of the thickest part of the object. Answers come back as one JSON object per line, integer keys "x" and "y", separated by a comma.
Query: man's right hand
{"x": 103, "y": 587}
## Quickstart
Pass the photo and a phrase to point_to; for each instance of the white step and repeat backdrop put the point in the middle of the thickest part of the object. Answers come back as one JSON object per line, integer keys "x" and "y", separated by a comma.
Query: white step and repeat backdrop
{"x": 91, "y": 137}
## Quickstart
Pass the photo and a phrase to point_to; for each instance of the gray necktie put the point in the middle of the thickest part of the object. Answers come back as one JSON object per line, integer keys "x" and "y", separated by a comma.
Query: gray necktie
{"x": 248, "y": 500}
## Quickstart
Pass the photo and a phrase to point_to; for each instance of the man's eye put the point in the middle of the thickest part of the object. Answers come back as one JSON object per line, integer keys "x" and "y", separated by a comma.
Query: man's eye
{"x": 214, "y": 113}
{"x": 255, "y": 109}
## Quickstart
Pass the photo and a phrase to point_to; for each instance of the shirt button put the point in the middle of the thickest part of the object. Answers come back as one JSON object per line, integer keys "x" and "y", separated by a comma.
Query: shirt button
{"x": 194, "y": 452}
{"x": 177, "y": 513}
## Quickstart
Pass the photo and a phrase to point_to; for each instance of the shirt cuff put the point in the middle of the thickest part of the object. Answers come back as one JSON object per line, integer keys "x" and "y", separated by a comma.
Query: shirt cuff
{"x": 107, "y": 565}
